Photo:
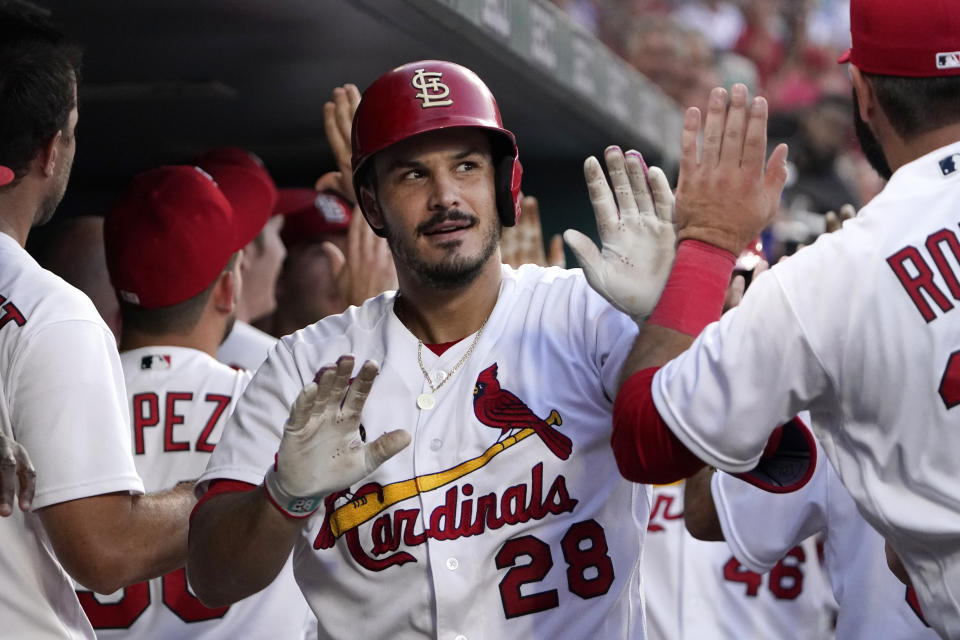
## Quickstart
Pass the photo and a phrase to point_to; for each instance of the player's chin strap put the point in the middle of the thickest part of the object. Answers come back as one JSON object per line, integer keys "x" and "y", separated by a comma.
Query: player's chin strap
{"x": 788, "y": 461}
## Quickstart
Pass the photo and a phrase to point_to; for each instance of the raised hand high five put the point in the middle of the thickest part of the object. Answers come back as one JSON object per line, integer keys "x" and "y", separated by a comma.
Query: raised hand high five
{"x": 635, "y": 223}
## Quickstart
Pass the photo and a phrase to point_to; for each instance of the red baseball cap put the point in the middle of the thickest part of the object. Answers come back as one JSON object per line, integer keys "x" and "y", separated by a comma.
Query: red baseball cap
{"x": 917, "y": 39}
{"x": 311, "y": 216}
{"x": 235, "y": 156}
{"x": 170, "y": 236}
{"x": 244, "y": 179}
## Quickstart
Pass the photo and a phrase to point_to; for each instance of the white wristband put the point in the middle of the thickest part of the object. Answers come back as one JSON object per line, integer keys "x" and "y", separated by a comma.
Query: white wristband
{"x": 289, "y": 505}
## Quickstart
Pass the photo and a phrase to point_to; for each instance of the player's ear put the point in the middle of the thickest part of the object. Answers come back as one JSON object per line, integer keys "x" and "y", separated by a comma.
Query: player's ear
{"x": 226, "y": 291}
{"x": 866, "y": 97}
{"x": 49, "y": 154}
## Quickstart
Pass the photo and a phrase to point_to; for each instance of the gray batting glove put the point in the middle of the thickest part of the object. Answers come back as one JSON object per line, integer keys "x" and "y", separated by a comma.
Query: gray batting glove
{"x": 322, "y": 450}
{"x": 638, "y": 238}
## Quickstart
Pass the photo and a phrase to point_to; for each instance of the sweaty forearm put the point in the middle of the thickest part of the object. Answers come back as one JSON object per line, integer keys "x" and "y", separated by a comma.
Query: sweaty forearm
{"x": 238, "y": 544}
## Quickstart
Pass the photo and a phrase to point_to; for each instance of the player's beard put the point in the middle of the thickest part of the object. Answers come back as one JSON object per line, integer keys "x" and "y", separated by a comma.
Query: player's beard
{"x": 869, "y": 143}
{"x": 450, "y": 273}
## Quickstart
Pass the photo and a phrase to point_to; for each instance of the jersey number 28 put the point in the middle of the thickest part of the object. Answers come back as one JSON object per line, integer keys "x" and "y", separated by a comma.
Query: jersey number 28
{"x": 589, "y": 568}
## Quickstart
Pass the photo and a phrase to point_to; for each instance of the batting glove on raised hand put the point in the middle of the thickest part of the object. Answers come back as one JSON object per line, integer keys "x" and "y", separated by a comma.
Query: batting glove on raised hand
{"x": 322, "y": 449}
{"x": 637, "y": 235}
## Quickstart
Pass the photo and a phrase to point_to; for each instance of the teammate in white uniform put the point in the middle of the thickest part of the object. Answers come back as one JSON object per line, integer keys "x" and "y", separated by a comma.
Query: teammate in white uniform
{"x": 760, "y": 526}
{"x": 61, "y": 387}
{"x": 506, "y": 517}
{"x": 246, "y": 347}
{"x": 859, "y": 328}
{"x": 180, "y": 397}
{"x": 696, "y": 589}
{"x": 248, "y": 186}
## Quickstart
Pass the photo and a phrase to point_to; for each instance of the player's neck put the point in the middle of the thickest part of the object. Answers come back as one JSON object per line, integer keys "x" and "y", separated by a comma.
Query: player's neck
{"x": 202, "y": 338}
{"x": 899, "y": 152}
{"x": 17, "y": 211}
{"x": 444, "y": 315}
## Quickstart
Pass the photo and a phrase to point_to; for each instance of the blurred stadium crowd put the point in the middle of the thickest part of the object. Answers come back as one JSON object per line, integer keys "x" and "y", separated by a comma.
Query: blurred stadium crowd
{"x": 785, "y": 50}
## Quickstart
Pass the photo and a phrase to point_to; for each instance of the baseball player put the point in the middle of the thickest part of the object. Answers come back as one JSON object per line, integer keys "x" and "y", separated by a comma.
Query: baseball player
{"x": 334, "y": 259}
{"x": 62, "y": 392}
{"x": 857, "y": 327}
{"x": 760, "y": 526}
{"x": 175, "y": 313}
{"x": 696, "y": 589}
{"x": 251, "y": 187}
{"x": 306, "y": 288}
{"x": 505, "y": 516}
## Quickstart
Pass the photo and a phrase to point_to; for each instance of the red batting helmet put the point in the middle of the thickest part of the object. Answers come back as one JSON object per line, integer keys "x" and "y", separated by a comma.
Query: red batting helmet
{"x": 430, "y": 95}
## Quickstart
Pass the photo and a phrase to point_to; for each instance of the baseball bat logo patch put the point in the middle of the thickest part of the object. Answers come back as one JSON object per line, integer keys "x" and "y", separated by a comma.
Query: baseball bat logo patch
{"x": 463, "y": 512}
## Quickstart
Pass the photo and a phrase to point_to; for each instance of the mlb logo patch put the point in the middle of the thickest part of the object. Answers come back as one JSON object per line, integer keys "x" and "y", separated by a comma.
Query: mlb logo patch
{"x": 948, "y": 60}
{"x": 155, "y": 363}
{"x": 950, "y": 164}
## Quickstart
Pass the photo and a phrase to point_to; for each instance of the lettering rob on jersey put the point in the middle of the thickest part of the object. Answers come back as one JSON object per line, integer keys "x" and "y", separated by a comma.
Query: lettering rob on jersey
{"x": 506, "y": 517}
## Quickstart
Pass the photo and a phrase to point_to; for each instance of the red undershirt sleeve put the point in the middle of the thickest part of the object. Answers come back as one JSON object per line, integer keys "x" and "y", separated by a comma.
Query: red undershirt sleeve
{"x": 644, "y": 446}
{"x": 217, "y": 487}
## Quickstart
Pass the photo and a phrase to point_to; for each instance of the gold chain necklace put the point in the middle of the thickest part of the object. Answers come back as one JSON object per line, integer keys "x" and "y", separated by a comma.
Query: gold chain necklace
{"x": 427, "y": 401}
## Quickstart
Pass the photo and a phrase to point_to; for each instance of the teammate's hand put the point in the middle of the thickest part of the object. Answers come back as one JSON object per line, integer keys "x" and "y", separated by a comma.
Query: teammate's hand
{"x": 636, "y": 232}
{"x": 738, "y": 286}
{"x": 322, "y": 449}
{"x": 338, "y": 124}
{"x": 17, "y": 476}
{"x": 834, "y": 222}
{"x": 523, "y": 243}
{"x": 726, "y": 197}
{"x": 367, "y": 269}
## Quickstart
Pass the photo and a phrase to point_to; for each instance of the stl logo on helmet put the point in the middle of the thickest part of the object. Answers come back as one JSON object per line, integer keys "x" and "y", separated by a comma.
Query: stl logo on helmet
{"x": 432, "y": 91}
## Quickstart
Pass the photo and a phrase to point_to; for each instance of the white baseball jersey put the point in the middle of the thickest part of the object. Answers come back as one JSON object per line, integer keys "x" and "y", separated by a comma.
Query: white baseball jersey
{"x": 860, "y": 328}
{"x": 62, "y": 398}
{"x": 180, "y": 399}
{"x": 696, "y": 589}
{"x": 759, "y": 526}
{"x": 483, "y": 528}
{"x": 246, "y": 347}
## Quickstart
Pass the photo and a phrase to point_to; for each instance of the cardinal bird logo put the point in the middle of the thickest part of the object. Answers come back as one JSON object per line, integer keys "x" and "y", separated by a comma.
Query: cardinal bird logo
{"x": 498, "y": 408}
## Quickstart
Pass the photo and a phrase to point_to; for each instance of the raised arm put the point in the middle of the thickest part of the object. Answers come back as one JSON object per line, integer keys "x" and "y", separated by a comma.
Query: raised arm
{"x": 724, "y": 199}
{"x": 239, "y": 541}
{"x": 365, "y": 269}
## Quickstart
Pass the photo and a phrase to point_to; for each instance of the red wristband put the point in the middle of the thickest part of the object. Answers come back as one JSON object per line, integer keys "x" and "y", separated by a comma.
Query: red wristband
{"x": 693, "y": 297}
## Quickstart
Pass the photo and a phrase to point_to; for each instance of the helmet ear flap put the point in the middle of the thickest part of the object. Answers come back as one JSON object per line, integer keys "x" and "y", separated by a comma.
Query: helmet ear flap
{"x": 508, "y": 173}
